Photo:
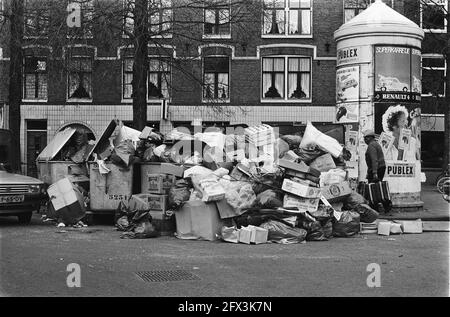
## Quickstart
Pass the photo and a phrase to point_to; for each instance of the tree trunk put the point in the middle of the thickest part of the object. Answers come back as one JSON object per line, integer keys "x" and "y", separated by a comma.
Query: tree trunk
{"x": 140, "y": 66}
{"x": 15, "y": 79}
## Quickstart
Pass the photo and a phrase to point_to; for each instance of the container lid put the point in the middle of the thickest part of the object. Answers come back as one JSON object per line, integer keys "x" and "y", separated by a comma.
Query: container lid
{"x": 60, "y": 139}
{"x": 379, "y": 18}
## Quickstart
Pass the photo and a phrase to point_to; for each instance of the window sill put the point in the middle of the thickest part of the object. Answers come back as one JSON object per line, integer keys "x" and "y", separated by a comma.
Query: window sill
{"x": 149, "y": 101}
{"x": 35, "y": 100}
{"x": 281, "y": 36}
{"x": 79, "y": 100}
{"x": 216, "y": 101}
{"x": 286, "y": 101}
{"x": 216, "y": 37}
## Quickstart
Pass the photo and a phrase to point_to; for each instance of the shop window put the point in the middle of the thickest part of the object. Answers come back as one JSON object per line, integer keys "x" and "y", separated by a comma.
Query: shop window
{"x": 354, "y": 7}
{"x": 286, "y": 78}
{"x": 216, "y": 77}
{"x": 87, "y": 19}
{"x": 160, "y": 17}
{"x": 433, "y": 15}
{"x": 80, "y": 78}
{"x": 35, "y": 78}
{"x": 287, "y": 17}
{"x": 158, "y": 79}
{"x": 217, "y": 19}
{"x": 36, "y": 18}
{"x": 433, "y": 76}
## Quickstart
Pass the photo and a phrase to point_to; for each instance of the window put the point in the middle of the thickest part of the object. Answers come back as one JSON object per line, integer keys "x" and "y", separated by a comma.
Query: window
{"x": 160, "y": 17}
{"x": 433, "y": 75}
{"x": 217, "y": 19}
{"x": 36, "y": 19}
{"x": 432, "y": 15}
{"x": 216, "y": 76}
{"x": 87, "y": 19}
{"x": 286, "y": 78}
{"x": 354, "y": 7}
{"x": 127, "y": 78}
{"x": 80, "y": 78}
{"x": 158, "y": 79}
{"x": 35, "y": 78}
{"x": 287, "y": 17}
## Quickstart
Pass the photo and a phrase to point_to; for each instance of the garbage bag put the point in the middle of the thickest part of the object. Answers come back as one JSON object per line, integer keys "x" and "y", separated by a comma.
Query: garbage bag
{"x": 353, "y": 201}
{"x": 281, "y": 147}
{"x": 178, "y": 194}
{"x": 312, "y": 136}
{"x": 292, "y": 140}
{"x": 307, "y": 155}
{"x": 367, "y": 214}
{"x": 268, "y": 199}
{"x": 143, "y": 230}
{"x": 314, "y": 230}
{"x": 240, "y": 195}
{"x": 257, "y": 217}
{"x": 282, "y": 233}
{"x": 122, "y": 224}
{"x": 263, "y": 182}
{"x": 347, "y": 225}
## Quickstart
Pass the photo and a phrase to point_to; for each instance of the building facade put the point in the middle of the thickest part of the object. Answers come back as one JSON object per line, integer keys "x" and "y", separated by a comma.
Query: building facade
{"x": 274, "y": 64}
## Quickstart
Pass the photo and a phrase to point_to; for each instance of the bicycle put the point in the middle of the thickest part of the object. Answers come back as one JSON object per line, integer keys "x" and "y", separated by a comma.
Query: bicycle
{"x": 443, "y": 180}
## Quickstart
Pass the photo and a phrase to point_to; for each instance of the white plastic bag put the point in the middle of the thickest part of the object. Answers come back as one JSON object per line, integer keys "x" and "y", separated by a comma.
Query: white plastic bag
{"x": 314, "y": 137}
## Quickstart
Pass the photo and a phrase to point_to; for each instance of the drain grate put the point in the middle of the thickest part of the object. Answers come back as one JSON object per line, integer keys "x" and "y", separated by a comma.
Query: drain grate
{"x": 167, "y": 276}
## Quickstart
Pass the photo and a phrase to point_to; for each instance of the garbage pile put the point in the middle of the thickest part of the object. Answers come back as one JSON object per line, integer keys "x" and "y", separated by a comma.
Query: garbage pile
{"x": 250, "y": 187}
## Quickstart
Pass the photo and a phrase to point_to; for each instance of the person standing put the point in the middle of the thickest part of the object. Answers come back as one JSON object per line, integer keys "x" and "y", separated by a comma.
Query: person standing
{"x": 376, "y": 166}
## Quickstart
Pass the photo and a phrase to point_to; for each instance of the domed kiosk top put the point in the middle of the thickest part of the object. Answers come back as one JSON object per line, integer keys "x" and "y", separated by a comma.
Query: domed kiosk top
{"x": 379, "y": 18}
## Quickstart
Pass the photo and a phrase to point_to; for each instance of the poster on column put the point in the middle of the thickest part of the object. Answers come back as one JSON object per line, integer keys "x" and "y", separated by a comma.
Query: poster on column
{"x": 347, "y": 112}
{"x": 402, "y": 123}
{"x": 347, "y": 85}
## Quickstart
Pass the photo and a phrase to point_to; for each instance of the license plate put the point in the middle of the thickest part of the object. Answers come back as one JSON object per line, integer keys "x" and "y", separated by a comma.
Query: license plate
{"x": 12, "y": 199}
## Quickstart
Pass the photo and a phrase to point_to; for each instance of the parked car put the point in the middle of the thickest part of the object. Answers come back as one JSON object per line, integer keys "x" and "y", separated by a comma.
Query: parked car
{"x": 19, "y": 195}
{"x": 391, "y": 84}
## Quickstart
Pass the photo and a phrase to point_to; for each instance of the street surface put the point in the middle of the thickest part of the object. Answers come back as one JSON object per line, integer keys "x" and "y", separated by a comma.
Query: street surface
{"x": 34, "y": 261}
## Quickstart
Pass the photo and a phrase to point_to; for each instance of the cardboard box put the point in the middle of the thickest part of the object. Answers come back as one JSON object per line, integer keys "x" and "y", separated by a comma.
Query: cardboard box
{"x": 198, "y": 220}
{"x": 301, "y": 167}
{"x": 157, "y": 202}
{"x": 67, "y": 201}
{"x": 163, "y": 223}
{"x": 240, "y": 173}
{"x": 245, "y": 235}
{"x": 300, "y": 190}
{"x": 305, "y": 182}
{"x": 290, "y": 156}
{"x": 384, "y": 228}
{"x": 337, "y": 192}
{"x": 226, "y": 211}
{"x": 159, "y": 183}
{"x": 396, "y": 228}
{"x": 323, "y": 163}
{"x": 259, "y": 235}
{"x": 411, "y": 226}
{"x": 304, "y": 176}
{"x": 303, "y": 204}
{"x": 171, "y": 169}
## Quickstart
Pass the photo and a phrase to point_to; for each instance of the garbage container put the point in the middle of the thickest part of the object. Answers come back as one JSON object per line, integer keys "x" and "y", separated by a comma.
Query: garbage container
{"x": 107, "y": 190}
{"x": 52, "y": 171}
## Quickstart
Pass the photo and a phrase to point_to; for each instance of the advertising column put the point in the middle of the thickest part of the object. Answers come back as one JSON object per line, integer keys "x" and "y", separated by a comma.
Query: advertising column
{"x": 397, "y": 118}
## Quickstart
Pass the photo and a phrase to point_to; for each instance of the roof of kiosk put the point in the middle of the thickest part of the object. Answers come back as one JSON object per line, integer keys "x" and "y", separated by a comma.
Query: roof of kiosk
{"x": 379, "y": 18}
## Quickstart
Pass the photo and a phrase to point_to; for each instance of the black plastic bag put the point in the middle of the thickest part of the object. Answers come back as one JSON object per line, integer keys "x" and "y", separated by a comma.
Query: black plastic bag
{"x": 284, "y": 234}
{"x": 348, "y": 224}
{"x": 268, "y": 199}
{"x": 179, "y": 194}
{"x": 263, "y": 182}
{"x": 367, "y": 214}
{"x": 353, "y": 201}
{"x": 143, "y": 230}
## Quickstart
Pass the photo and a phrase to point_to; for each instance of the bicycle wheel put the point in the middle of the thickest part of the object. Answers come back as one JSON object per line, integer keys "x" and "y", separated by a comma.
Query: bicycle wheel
{"x": 443, "y": 185}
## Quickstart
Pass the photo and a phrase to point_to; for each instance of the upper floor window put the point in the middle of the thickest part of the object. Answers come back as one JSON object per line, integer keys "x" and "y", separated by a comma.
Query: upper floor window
{"x": 159, "y": 79}
{"x": 79, "y": 78}
{"x": 286, "y": 78}
{"x": 287, "y": 17}
{"x": 216, "y": 78}
{"x": 354, "y": 7}
{"x": 160, "y": 17}
{"x": 433, "y": 15}
{"x": 434, "y": 70}
{"x": 87, "y": 19}
{"x": 217, "y": 19}
{"x": 35, "y": 78}
{"x": 36, "y": 18}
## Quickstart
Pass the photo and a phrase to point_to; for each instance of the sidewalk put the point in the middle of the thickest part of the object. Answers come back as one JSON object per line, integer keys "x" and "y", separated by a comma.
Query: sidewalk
{"x": 435, "y": 208}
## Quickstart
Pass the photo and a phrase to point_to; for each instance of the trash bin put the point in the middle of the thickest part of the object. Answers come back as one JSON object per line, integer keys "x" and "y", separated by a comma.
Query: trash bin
{"x": 52, "y": 171}
{"x": 107, "y": 190}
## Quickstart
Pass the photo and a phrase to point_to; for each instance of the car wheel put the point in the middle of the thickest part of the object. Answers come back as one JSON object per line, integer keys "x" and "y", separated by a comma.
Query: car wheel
{"x": 25, "y": 218}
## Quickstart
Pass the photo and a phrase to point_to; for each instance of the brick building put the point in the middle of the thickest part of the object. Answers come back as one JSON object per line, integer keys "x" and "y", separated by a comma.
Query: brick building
{"x": 278, "y": 68}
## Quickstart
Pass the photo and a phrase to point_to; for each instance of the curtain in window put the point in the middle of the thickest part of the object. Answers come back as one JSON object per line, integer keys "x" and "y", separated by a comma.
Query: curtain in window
{"x": 299, "y": 78}
{"x": 30, "y": 84}
{"x": 306, "y": 22}
{"x": 208, "y": 89}
{"x": 274, "y": 21}
{"x": 42, "y": 88}
{"x": 223, "y": 86}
